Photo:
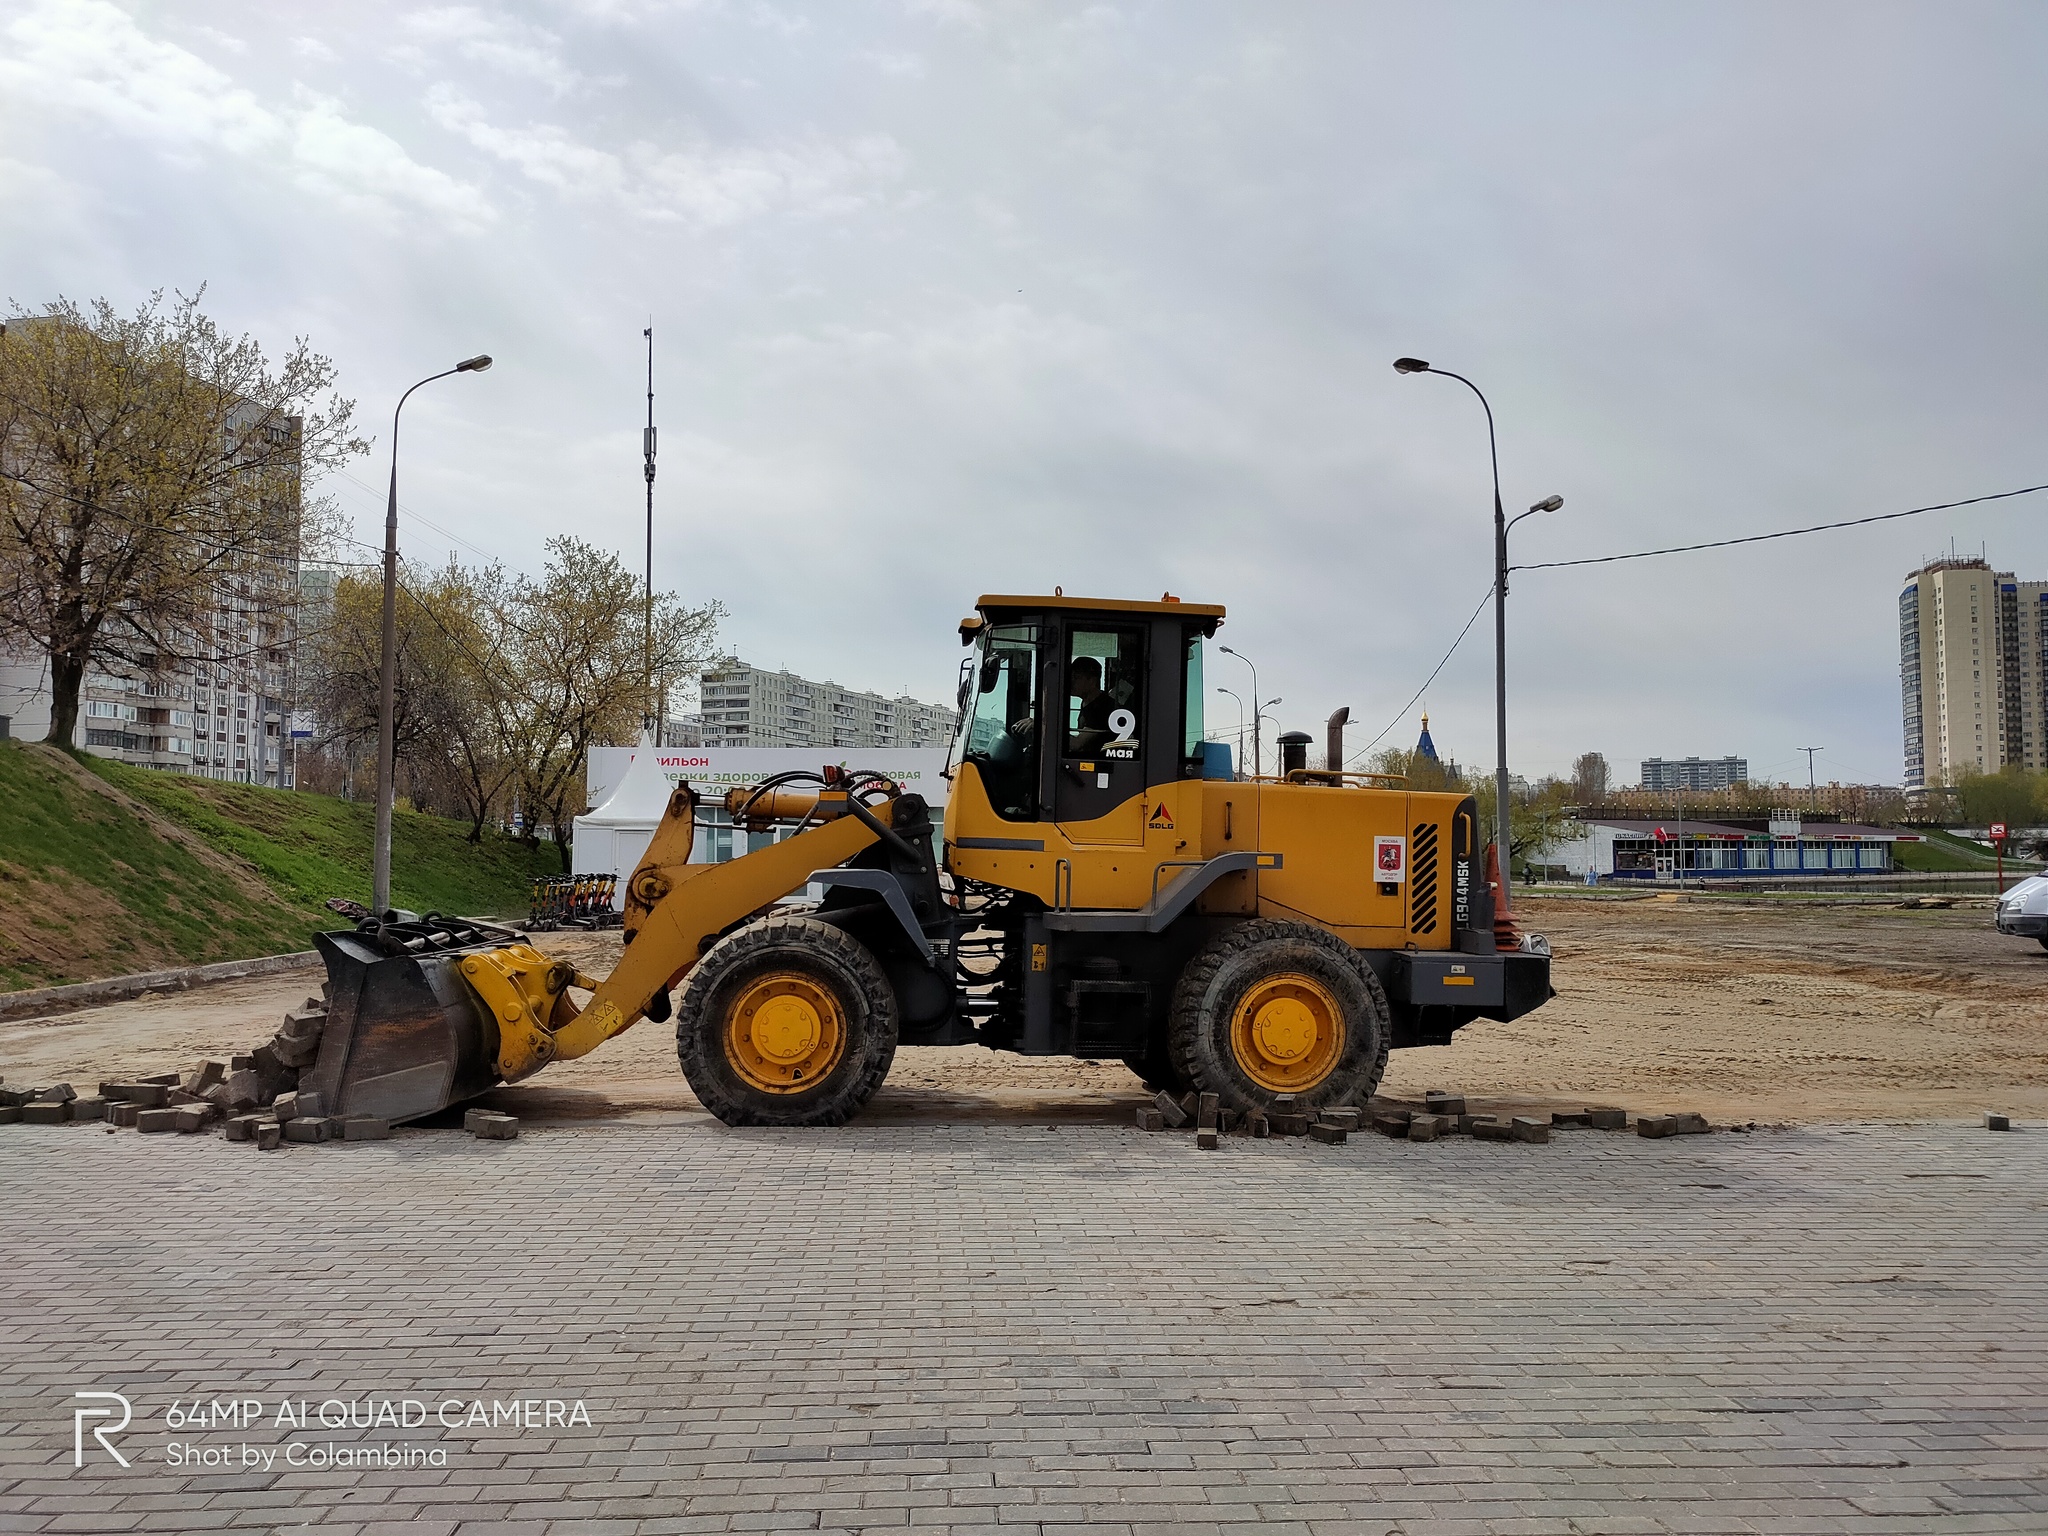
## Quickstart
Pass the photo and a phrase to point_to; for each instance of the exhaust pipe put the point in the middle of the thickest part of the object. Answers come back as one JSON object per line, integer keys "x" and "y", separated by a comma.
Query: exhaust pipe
{"x": 1333, "y": 741}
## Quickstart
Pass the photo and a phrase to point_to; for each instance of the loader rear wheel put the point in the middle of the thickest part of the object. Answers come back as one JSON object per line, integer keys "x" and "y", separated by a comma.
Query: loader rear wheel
{"x": 787, "y": 1021}
{"x": 1268, "y": 1008}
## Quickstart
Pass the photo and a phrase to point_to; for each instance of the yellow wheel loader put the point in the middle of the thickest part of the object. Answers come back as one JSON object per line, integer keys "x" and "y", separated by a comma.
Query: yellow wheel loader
{"x": 1104, "y": 887}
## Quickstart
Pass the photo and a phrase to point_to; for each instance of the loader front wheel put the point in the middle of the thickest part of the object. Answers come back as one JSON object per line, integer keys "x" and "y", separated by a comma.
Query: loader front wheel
{"x": 1268, "y": 1008}
{"x": 787, "y": 1021}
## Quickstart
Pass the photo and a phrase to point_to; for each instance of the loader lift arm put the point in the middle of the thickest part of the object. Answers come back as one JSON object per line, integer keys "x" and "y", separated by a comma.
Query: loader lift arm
{"x": 675, "y": 911}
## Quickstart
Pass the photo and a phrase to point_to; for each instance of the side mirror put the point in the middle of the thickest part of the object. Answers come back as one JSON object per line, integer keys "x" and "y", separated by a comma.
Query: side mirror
{"x": 991, "y": 672}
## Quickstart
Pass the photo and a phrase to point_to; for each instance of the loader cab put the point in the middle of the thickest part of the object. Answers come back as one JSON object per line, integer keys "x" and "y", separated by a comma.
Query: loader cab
{"x": 1072, "y": 708}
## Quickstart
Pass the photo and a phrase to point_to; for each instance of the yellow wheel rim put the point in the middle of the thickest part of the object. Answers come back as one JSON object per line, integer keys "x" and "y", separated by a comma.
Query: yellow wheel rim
{"x": 785, "y": 1033}
{"x": 1287, "y": 1033}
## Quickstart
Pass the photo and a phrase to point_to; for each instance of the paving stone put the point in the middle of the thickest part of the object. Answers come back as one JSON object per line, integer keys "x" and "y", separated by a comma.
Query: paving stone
{"x": 123, "y": 1112}
{"x": 1329, "y": 1135}
{"x": 365, "y": 1128}
{"x": 203, "y": 1077}
{"x": 10, "y": 1114}
{"x": 14, "y": 1098}
{"x": 1439, "y": 1101}
{"x": 1287, "y": 1123}
{"x": 1150, "y": 1119}
{"x": 1530, "y": 1128}
{"x": 148, "y": 1095}
{"x": 240, "y": 1091}
{"x": 44, "y": 1113}
{"x": 147, "y": 1120}
{"x": 89, "y": 1108}
{"x": 1606, "y": 1118}
{"x": 1207, "y": 1140}
{"x": 192, "y": 1118}
{"x": 1426, "y": 1127}
{"x": 487, "y": 1125}
{"x": 269, "y": 1135}
{"x": 1993, "y": 1121}
{"x": 295, "y": 1052}
{"x": 308, "y": 1128}
{"x": 1257, "y": 1125}
{"x": 290, "y": 1106}
{"x": 1391, "y": 1122}
{"x": 1672, "y": 1125}
{"x": 243, "y": 1127}
{"x": 1489, "y": 1128}
{"x": 1226, "y": 1120}
{"x": 1207, "y": 1106}
{"x": 242, "y": 1063}
{"x": 63, "y": 1093}
{"x": 1170, "y": 1110}
{"x": 1345, "y": 1115}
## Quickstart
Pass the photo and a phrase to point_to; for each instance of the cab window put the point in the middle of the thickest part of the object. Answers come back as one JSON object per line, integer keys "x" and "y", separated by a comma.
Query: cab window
{"x": 1001, "y": 727}
{"x": 1105, "y": 692}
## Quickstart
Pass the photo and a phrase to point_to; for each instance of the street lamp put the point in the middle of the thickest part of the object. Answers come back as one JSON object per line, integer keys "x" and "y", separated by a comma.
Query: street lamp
{"x": 1240, "y": 722}
{"x": 380, "y": 878}
{"x": 1500, "y": 611}
{"x": 1258, "y": 766}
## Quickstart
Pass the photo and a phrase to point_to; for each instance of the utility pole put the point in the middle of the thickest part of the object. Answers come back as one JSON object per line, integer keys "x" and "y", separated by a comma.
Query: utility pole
{"x": 648, "y": 721}
{"x": 1812, "y": 790}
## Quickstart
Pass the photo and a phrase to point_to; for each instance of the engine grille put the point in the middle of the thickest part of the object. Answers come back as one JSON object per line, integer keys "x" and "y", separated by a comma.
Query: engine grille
{"x": 1423, "y": 896}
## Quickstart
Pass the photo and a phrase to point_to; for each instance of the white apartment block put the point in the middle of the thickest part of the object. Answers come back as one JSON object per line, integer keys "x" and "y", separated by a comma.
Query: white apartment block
{"x": 743, "y": 706}
{"x": 1973, "y": 671}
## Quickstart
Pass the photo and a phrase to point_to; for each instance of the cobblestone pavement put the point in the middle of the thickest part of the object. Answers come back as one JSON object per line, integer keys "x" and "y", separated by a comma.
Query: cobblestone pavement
{"x": 1027, "y": 1330}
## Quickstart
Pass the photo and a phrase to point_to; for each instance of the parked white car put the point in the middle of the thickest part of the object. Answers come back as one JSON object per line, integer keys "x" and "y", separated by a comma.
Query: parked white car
{"x": 2023, "y": 910}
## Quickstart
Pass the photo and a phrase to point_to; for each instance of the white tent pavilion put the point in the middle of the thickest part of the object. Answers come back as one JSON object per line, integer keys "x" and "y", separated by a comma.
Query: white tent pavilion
{"x": 611, "y": 839}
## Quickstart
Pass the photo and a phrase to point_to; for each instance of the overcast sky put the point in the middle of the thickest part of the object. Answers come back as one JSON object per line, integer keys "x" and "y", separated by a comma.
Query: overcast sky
{"x": 953, "y": 297}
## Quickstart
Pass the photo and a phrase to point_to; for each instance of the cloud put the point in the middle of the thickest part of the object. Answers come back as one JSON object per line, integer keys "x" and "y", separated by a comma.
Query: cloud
{"x": 89, "y": 58}
{"x": 512, "y": 47}
{"x": 703, "y": 186}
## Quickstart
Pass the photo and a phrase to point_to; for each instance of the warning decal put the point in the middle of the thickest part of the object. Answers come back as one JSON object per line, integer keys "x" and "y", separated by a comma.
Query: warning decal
{"x": 1162, "y": 818}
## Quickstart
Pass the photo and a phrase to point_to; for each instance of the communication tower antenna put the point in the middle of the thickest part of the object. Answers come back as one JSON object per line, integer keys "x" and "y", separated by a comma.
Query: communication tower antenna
{"x": 647, "y": 717}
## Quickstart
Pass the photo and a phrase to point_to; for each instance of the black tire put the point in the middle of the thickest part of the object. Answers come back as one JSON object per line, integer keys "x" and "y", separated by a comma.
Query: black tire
{"x": 772, "y": 961}
{"x": 1262, "y": 957}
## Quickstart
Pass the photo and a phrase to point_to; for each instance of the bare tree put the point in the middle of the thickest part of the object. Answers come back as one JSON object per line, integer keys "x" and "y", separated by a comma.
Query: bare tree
{"x": 145, "y": 461}
{"x": 572, "y": 645}
{"x": 1589, "y": 778}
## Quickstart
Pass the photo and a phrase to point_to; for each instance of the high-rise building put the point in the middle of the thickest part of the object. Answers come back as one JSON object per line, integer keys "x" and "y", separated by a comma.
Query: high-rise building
{"x": 1973, "y": 671}
{"x": 743, "y": 706}
{"x": 1695, "y": 773}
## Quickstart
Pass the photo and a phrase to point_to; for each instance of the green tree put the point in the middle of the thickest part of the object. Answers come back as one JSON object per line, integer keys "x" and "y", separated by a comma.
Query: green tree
{"x": 2013, "y": 796}
{"x": 149, "y": 463}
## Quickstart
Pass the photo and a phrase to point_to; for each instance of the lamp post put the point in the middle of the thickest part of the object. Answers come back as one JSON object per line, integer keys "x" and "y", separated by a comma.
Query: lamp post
{"x": 1501, "y": 525}
{"x": 1258, "y": 766}
{"x": 1240, "y": 722}
{"x": 380, "y": 878}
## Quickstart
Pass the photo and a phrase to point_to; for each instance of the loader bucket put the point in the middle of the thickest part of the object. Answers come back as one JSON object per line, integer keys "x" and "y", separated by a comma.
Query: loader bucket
{"x": 405, "y": 1036}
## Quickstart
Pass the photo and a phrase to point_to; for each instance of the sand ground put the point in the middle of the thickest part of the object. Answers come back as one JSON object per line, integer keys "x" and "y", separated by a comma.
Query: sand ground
{"x": 1772, "y": 1014}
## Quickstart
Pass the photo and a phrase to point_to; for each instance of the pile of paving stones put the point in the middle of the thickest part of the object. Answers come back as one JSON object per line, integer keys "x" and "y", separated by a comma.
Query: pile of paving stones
{"x": 1440, "y": 1114}
{"x": 254, "y": 1098}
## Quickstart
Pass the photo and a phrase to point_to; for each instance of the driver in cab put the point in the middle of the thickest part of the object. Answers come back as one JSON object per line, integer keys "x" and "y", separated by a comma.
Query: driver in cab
{"x": 1091, "y": 730}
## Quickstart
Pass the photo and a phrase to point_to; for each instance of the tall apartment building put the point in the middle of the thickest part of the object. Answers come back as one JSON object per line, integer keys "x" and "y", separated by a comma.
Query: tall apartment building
{"x": 1973, "y": 671}
{"x": 1695, "y": 773}
{"x": 743, "y": 706}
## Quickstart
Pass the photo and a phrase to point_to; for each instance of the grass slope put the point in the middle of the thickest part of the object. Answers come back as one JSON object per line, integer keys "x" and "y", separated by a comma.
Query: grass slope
{"x": 1945, "y": 853}
{"x": 93, "y": 884}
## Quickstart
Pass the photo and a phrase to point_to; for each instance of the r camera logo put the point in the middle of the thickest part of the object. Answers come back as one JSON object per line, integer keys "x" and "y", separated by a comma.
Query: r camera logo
{"x": 100, "y": 1431}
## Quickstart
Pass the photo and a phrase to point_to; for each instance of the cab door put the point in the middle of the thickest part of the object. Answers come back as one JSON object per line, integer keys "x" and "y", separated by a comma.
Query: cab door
{"x": 1099, "y": 783}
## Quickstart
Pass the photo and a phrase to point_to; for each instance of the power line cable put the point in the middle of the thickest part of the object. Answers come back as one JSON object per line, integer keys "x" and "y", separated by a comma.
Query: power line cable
{"x": 1402, "y": 713}
{"x": 1788, "y": 533}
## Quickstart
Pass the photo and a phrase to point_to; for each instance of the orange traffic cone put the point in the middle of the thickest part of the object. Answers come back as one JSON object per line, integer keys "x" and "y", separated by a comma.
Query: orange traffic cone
{"x": 1506, "y": 935}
